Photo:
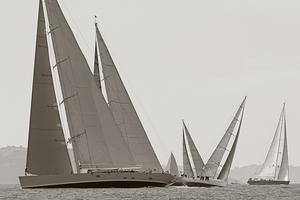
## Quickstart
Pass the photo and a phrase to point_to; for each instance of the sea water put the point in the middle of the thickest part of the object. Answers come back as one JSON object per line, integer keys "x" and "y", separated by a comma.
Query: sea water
{"x": 232, "y": 192}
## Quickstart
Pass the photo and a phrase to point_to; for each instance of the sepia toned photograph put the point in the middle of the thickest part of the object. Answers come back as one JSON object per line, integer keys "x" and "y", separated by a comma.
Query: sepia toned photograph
{"x": 154, "y": 100}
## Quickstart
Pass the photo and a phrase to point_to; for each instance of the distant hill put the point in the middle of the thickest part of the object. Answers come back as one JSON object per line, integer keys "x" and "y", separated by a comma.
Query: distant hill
{"x": 12, "y": 165}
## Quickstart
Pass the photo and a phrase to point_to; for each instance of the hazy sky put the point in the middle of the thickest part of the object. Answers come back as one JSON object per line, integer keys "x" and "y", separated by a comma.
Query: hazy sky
{"x": 192, "y": 60}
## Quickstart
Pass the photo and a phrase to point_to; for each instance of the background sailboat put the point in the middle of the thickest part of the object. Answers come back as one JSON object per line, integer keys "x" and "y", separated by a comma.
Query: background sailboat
{"x": 172, "y": 166}
{"x": 275, "y": 169}
{"x": 208, "y": 175}
{"x": 102, "y": 156}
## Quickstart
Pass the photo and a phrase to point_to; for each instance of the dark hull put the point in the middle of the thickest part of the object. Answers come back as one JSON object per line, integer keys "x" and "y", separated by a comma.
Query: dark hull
{"x": 107, "y": 184}
{"x": 267, "y": 182}
{"x": 98, "y": 180}
{"x": 201, "y": 183}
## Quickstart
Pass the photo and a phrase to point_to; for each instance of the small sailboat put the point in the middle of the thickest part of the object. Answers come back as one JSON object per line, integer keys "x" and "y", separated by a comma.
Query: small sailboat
{"x": 172, "y": 168}
{"x": 275, "y": 170}
{"x": 210, "y": 174}
{"x": 103, "y": 157}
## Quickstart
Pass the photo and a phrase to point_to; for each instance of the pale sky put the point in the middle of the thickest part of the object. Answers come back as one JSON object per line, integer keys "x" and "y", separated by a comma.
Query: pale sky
{"x": 192, "y": 60}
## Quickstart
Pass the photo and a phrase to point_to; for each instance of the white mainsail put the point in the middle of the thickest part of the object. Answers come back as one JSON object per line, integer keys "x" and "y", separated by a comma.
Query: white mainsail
{"x": 124, "y": 112}
{"x": 187, "y": 167}
{"x": 96, "y": 139}
{"x": 284, "y": 168}
{"x": 223, "y": 175}
{"x": 172, "y": 166}
{"x": 276, "y": 166}
{"x": 212, "y": 165}
{"x": 47, "y": 151}
{"x": 197, "y": 160}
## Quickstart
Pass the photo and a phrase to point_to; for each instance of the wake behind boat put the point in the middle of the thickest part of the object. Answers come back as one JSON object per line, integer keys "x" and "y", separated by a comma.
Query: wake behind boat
{"x": 208, "y": 175}
{"x": 275, "y": 170}
{"x": 103, "y": 156}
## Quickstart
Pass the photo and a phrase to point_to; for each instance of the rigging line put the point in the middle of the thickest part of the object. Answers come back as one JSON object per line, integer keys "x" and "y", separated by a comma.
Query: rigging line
{"x": 77, "y": 27}
{"x": 146, "y": 114}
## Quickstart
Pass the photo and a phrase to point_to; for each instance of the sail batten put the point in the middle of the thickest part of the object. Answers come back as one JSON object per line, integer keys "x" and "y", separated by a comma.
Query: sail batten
{"x": 47, "y": 151}
{"x": 212, "y": 165}
{"x": 197, "y": 160}
{"x": 96, "y": 139}
{"x": 124, "y": 112}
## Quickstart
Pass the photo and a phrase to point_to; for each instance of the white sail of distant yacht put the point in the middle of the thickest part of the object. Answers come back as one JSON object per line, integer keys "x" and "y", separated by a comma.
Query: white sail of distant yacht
{"x": 196, "y": 158}
{"x": 124, "y": 112}
{"x": 214, "y": 162}
{"x": 172, "y": 166}
{"x": 276, "y": 165}
{"x": 224, "y": 173}
{"x": 187, "y": 167}
{"x": 208, "y": 175}
{"x": 45, "y": 132}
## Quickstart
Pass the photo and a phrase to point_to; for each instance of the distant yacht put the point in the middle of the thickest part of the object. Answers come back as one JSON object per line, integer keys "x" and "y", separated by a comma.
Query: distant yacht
{"x": 275, "y": 169}
{"x": 109, "y": 144}
{"x": 172, "y": 168}
{"x": 198, "y": 174}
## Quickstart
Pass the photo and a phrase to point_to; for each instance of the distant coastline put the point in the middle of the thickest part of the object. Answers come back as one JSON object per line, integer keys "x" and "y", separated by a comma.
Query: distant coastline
{"x": 13, "y": 159}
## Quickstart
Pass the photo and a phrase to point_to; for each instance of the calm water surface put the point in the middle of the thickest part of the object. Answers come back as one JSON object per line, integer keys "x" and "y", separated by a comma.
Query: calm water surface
{"x": 232, "y": 192}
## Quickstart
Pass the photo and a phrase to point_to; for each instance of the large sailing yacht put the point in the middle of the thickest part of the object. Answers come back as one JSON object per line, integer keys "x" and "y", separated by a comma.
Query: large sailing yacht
{"x": 198, "y": 174}
{"x": 275, "y": 170}
{"x": 66, "y": 100}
